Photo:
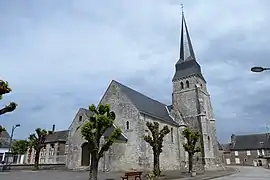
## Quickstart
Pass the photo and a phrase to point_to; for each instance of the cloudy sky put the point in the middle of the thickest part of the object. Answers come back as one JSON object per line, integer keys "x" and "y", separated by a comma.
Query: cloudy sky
{"x": 61, "y": 55}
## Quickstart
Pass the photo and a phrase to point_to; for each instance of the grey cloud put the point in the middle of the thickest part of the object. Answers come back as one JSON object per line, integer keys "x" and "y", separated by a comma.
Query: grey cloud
{"x": 63, "y": 55}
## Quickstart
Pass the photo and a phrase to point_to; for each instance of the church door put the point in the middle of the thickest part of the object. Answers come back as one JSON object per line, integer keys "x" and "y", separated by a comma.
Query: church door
{"x": 85, "y": 161}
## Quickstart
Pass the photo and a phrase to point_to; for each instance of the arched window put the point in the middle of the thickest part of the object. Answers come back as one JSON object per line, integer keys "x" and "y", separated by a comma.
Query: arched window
{"x": 127, "y": 124}
{"x": 209, "y": 143}
{"x": 187, "y": 83}
{"x": 201, "y": 86}
{"x": 182, "y": 85}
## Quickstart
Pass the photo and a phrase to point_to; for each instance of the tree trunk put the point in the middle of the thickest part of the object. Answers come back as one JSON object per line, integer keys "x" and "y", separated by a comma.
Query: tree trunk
{"x": 190, "y": 163}
{"x": 94, "y": 166}
{"x": 156, "y": 164}
{"x": 36, "y": 166}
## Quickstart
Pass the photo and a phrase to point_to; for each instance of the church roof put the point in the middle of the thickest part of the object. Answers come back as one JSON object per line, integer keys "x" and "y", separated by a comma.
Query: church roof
{"x": 187, "y": 64}
{"x": 147, "y": 105}
{"x": 251, "y": 142}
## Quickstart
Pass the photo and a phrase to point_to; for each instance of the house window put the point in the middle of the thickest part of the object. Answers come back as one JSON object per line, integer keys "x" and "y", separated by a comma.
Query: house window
{"x": 172, "y": 134}
{"x": 258, "y": 152}
{"x": 80, "y": 118}
{"x": 237, "y": 161}
{"x": 127, "y": 124}
{"x": 248, "y": 153}
{"x": 262, "y": 152}
{"x": 236, "y": 153}
{"x": 187, "y": 83}
{"x": 182, "y": 85}
{"x": 245, "y": 160}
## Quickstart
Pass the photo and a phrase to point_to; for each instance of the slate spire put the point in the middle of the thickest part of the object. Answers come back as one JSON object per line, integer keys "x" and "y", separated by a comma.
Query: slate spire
{"x": 186, "y": 49}
{"x": 187, "y": 64}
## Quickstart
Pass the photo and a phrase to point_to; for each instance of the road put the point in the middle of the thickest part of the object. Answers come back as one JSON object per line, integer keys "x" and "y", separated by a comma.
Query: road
{"x": 249, "y": 173}
{"x": 246, "y": 173}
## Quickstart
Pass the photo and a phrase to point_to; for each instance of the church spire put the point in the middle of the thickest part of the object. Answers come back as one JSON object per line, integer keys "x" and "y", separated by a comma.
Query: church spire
{"x": 186, "y": 65}
{"x": 186, "y": 49}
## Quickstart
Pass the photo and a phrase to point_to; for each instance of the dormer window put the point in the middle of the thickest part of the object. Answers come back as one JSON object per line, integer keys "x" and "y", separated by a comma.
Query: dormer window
{"x": 261, "y": 142}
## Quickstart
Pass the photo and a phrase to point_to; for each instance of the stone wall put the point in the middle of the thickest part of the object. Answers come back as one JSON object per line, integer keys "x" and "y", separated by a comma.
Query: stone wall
{"x": 170, "y": 158}
{"x": 190, "y": 104}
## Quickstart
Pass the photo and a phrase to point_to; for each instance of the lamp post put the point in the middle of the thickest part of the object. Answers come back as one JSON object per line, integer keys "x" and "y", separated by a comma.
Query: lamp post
{"x": 11, "y": 137}
{"x": 259, "y": 69}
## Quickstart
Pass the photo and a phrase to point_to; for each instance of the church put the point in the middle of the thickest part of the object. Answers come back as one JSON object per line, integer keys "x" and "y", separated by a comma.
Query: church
{"x": 190, "y": 107}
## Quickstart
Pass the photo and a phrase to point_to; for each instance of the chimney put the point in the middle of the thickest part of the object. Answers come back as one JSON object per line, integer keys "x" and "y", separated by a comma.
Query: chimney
{"x": 53, "y": 128}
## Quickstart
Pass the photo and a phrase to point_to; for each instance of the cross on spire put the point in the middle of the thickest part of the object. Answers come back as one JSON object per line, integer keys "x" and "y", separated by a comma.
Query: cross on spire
{"x": 182, "y": 8}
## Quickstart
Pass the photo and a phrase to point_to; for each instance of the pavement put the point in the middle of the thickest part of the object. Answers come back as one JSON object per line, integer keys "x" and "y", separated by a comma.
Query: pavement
{"x": 246, "y": 173}
{"x": 249, "y": 173}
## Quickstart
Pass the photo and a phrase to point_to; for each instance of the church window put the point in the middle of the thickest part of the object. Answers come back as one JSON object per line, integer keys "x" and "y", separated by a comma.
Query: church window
{"x": 209, "y": 143}
{"x": 187, "y": 83}
{"x": 127, "y": 124}
{"x": 201, "y": 86}
{"x": 182, "y": 85}
{"x": 172, "y": 134}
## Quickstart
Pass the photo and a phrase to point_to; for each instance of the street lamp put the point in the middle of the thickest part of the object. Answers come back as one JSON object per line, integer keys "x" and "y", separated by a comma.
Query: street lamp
{"x": 11, "y": 137}
{"x": 259, "y": 69}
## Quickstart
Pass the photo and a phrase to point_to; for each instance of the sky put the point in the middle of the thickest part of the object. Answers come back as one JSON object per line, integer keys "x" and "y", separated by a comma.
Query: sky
{"x": 59, "y": 56}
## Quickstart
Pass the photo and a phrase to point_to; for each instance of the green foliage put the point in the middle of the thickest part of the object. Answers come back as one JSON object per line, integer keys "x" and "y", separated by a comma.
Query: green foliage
{"x": 156, "y": 142}
{"x": 192, "y": 139}
{"x": 37, "y": 139}
{"x": 19, "y": 146}
{"x": 5, "y": 89}
{"x": 2, "y": 129}
{"x": 93, "y": 130}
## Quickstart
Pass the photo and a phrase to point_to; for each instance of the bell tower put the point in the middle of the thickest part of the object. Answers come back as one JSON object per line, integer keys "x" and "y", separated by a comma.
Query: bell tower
{"x": 191, "y": 100}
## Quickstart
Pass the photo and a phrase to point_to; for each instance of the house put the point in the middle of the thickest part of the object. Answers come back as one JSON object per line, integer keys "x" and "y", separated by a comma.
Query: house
{"x": 4, "y": 150}
{"x": 53, "y": 151}
{"x": 249, "y": 150}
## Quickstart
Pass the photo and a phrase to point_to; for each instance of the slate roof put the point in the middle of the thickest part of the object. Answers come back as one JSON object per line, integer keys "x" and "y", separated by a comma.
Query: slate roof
{"x": 187, "y": 64}
{"x": 5, "y": 134}
{"x": 251, "y": 142}
{"x": 57, "y": 136}
{"x": 146, "y": 104}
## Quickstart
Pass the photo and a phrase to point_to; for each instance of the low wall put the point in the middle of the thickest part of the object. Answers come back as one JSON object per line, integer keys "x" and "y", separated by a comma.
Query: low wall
{"x": 41, "y": 166}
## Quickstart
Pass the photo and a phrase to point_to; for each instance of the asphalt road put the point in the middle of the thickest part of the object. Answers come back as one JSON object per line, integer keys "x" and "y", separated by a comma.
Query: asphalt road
{"x": 249, "y": 173}
{"x": 246, "y": 173}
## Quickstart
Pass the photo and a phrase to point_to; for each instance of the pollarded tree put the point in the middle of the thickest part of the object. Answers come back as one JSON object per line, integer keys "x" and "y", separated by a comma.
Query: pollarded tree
{"x": 5, "y": 89}
{"x": 37, "y": 141}
{"x": 190, "y": 146}
{"x": 93, "y": 130}
{"x": 156, "y": 142}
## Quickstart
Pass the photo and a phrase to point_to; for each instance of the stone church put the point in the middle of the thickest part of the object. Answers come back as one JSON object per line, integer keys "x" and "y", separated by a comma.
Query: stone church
{"x": 191, "y": 106}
